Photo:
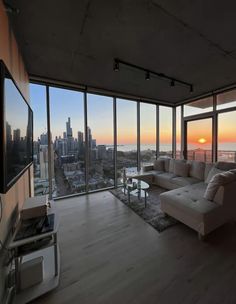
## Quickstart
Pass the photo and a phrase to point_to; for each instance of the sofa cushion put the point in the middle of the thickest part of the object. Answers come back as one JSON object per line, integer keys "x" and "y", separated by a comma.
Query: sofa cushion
{"x": 173, "y": 162}
{"x": 159, "y": 165}
{"x": 217, "y": 181}
{"x": 164, "y": 180}
{"x": 225, "y": 166}
{"x": 213, "y": 172}
{"x": 197, "y": 169}
{"x": 181, "y": 169}
{"x": 184, "y": 181}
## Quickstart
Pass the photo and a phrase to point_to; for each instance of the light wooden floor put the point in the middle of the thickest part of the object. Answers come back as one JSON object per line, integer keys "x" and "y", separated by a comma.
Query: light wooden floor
{"x": 110, "y": 255}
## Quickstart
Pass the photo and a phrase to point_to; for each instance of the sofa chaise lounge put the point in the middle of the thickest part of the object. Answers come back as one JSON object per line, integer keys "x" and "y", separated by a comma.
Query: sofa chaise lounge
{"x": 201, "y": 195}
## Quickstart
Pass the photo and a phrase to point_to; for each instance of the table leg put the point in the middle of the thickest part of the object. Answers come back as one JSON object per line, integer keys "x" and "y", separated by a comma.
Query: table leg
{"x": 139, "y": 194}
{"x": 55, "y": 254}
{"x": 145, "y": 192}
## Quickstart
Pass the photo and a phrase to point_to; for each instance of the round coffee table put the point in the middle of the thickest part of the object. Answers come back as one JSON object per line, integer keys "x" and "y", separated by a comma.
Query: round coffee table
{"x": 137, "y": 188}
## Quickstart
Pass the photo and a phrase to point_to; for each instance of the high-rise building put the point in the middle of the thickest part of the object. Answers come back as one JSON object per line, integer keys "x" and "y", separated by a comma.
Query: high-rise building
{"x": 89, "y": 133}
{"x": 68, "y": 128}
{"x": 102, "y": 152}
{"x": 8, "y": 132}
{"x": 16, "y": 135}
{"x": 94, "y": 143}
{"x": 44, "y": 139}
{"x": 80, "y": 139}
{"x": 43, "y": 162}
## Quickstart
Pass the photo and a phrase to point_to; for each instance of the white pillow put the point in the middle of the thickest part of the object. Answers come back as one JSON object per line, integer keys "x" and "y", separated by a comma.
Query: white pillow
{"x": 212, "y": 173}
{"x": 218, "y": 180}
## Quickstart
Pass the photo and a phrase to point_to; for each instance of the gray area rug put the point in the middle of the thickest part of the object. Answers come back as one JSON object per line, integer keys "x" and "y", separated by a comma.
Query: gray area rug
{"x": 152, "y": 214}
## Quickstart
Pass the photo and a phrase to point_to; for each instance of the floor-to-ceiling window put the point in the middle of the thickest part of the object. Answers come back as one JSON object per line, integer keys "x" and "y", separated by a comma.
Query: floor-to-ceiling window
{"x": 83, "y": 161}
{"x": 100, "y": 130}
{"x": 126, "y": 136}
{"x": 147, "y": 133}
{"x": 227, "y": 137}
{"x": 165, "y": 131}
{"x": 40, "y": 140}
{"x": 199, "y": 140}
{"x": 67, "y": 131}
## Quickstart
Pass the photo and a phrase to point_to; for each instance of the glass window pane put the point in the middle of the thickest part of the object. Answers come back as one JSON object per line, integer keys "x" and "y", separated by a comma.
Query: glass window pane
{"x": 38, "y": 104}
{"x": 147, "y": 133}
{"x": 165, "y": 131}
{"x": 126, "y": 136}
{"x": 227, "y": 137}
{"x": 199, "y": 140}
{"x": 199, "y": 107}
{"x": 226, "y": 100}
{"x": 178, "y": 132}
{"x": 67, "y": 127}
{"x": 100, "y": 141}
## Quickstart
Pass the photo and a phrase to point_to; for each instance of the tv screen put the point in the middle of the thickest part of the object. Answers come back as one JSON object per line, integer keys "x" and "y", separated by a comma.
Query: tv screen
{"x": 17, "y": 132}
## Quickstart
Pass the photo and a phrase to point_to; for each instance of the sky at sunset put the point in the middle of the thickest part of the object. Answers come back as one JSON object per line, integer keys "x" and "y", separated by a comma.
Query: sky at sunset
{"x": 68, "y": 103}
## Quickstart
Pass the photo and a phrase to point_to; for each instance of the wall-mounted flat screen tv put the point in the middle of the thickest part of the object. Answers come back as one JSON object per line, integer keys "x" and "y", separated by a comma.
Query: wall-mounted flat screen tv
{"x": 16, "y": 123}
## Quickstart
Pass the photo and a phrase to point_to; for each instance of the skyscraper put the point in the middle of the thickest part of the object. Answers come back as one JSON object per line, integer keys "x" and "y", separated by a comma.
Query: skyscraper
{"x": 80, "y": 140}
{"x": 68, "y": 128}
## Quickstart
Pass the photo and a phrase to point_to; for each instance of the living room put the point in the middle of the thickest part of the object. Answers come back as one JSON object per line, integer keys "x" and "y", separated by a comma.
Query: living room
{"x": 138, "y": 103}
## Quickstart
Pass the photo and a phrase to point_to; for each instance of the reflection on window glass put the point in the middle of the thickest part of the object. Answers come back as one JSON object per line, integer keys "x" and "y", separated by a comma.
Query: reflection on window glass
{"x": 147, "y": 133}
{"x": 165, "y": 131}
{"x": 226, "y": 100}
{"x": 67, "y": 128}
{"x": 178, "y": 132}
{"x": 199, "y": 140}
{"x": 126, "y": 137}
{"x": 100, "y": 141}
{"x": 38, "y": 105}
{"x": 198, "y": 107}
{"x": 227, "y": 137}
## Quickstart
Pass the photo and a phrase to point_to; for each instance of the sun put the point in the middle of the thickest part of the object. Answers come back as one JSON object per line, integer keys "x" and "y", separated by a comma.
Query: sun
{"x": 202, "y": 140}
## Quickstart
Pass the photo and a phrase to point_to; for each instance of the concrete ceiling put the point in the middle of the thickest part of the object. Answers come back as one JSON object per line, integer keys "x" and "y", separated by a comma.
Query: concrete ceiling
{"x": 76, "y": 41}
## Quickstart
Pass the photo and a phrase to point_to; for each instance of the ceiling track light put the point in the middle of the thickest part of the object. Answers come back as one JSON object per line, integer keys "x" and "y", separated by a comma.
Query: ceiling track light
{"x": 147, "y": 75}
{"x": 173, "y": 81}
{"x": 116, "y": 66}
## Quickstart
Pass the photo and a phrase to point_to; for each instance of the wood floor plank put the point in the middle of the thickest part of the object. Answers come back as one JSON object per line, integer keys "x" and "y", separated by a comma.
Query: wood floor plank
{"x": 110, "y": 255}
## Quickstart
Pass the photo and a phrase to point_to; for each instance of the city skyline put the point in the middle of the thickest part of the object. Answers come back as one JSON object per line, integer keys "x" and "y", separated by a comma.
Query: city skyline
{"x": 66, "y": 103}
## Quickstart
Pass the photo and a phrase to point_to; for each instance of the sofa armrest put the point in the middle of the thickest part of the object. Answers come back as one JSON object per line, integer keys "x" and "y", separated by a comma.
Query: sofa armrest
{"x": 147, "y": 168}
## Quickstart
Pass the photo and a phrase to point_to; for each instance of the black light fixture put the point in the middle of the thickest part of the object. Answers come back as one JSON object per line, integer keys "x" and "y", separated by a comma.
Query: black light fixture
{"x": 147, "y": 75}
{"x": 173, "y": 81}
{"x": 116, "y": 66}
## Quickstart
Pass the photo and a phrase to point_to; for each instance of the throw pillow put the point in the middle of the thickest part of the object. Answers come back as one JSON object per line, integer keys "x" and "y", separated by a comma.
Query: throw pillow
{"x": 159, "y": 165}
{"x": 181, "y": 169}
{"x": 213, "y": 172}
{"x": 218, "y": 180}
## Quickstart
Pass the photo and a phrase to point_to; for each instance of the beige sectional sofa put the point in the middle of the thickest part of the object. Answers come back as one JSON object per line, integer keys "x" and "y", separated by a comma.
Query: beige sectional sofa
{"x": 202, "y": 195}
